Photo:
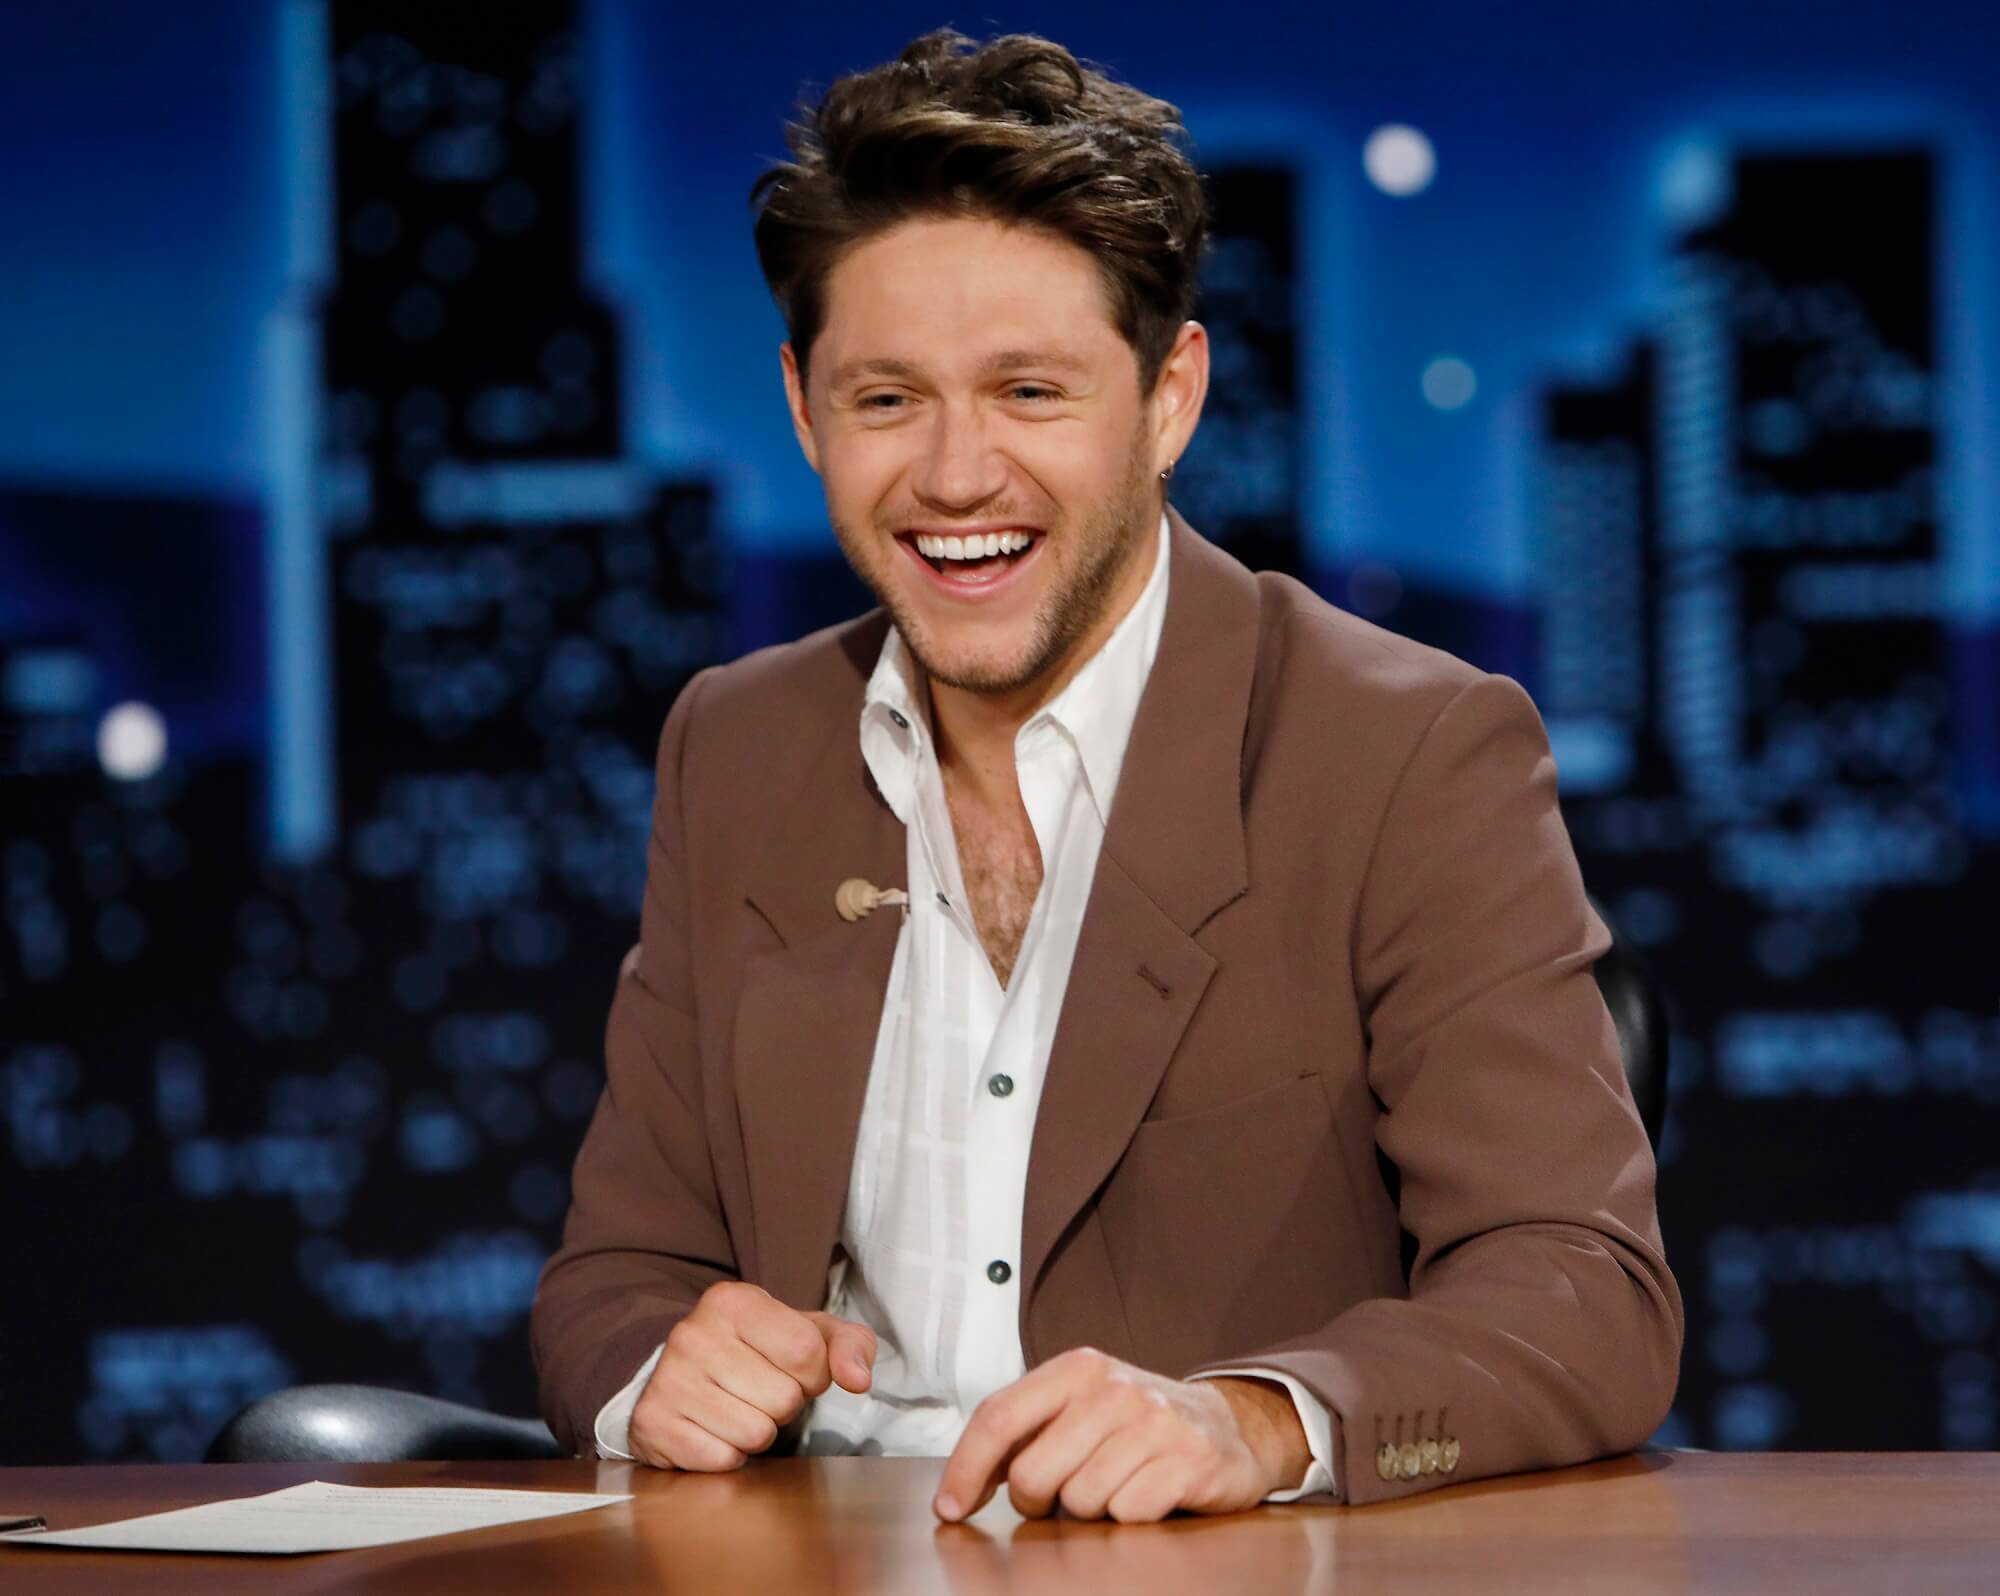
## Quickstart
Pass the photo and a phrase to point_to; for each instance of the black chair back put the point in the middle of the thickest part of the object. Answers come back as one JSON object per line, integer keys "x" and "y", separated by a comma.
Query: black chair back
{"x": 371, "y": 1424}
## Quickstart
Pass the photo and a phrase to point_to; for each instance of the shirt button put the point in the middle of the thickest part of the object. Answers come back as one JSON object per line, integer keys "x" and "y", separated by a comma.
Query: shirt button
{"x": 897, "y": 717}
{"x": 998, "y": 1272}
{"x": 1001, "y": 1085}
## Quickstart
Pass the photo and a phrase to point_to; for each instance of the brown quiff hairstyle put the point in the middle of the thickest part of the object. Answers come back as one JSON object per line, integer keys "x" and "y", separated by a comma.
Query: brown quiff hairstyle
{"x": 1016, "y": 130}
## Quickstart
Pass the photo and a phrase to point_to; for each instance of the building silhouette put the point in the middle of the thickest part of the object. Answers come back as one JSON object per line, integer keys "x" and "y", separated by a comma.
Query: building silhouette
{"x": 402, "y": 922}
{"x": 1746, "y": 670}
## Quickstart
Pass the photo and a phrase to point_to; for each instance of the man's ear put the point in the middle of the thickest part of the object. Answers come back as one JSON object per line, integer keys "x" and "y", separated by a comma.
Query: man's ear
{"x": 1179, "y": 392}
{"x": 795, "y": 399}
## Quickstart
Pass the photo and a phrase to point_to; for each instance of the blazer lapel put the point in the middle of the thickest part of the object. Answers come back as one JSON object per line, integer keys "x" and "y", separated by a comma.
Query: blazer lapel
{"x": 1173, "y": 855}
{"x": 808, "y": 1012}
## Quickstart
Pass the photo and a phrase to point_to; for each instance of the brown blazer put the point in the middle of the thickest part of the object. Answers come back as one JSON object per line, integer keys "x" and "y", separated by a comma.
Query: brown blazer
{"x": 1333, "y": 986}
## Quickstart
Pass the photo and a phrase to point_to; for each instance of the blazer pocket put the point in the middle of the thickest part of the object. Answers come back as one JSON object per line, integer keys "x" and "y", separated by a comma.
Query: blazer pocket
{"x": 1224, "y": 1226}
{"x": 1251, "y": 1104}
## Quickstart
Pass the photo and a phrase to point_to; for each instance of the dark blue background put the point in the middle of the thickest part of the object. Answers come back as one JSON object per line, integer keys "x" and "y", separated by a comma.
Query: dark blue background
{"x": 296, "y": 1036}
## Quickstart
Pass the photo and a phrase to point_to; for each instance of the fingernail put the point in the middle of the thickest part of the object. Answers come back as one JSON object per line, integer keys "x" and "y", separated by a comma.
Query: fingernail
{"x": 947, "y": 1507}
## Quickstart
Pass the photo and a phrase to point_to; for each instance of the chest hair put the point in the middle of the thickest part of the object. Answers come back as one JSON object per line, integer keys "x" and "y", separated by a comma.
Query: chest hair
{"x": 1002, "y": 867}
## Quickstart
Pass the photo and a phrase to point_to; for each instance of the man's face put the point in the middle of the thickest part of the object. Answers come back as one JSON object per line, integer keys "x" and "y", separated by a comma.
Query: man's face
{"x": 969, "y": 384}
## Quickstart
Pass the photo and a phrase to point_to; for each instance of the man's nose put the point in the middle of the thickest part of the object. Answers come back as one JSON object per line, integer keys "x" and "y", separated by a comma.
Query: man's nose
{"x": 959, "y": 469}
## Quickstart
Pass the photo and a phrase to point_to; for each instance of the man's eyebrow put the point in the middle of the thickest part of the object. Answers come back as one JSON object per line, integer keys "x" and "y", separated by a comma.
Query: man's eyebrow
{"x": 1015, "y": 359}
{"x": 881, "y": 366}
{"x": 1006, "y": 360}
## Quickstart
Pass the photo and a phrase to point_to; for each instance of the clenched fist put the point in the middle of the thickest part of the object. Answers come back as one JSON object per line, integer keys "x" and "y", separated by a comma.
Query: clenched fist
{"x": 735, "y": 1370}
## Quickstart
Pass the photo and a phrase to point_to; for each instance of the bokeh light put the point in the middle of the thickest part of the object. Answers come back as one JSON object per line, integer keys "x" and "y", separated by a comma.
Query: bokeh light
{"x": 1399, "y": 160}
{"x": 131, "y": 742}
{"x": 1449, "y": 383}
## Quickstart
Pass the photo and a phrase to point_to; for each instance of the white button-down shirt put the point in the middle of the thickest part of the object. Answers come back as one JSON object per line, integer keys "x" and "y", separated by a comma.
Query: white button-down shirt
{"x": 931, "y": 1231}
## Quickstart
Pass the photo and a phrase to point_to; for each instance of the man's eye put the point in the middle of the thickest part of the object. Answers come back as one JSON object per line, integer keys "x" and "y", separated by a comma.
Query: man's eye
{"x": 882, "y": 401}
{"x": 1031, "y": 390}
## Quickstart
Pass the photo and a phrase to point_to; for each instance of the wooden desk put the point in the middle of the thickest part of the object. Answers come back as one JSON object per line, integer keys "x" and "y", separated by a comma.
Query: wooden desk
{"x": 1823, "y": 1523}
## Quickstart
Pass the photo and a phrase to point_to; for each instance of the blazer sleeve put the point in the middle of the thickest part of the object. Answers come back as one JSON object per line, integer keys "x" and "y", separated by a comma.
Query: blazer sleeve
{"x": 1542, "y": 1326}
{"x": 645, "y": 1234}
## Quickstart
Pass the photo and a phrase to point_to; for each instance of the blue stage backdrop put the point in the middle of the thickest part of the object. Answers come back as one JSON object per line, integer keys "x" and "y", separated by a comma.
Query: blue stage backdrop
{"x": 389, "y": 425}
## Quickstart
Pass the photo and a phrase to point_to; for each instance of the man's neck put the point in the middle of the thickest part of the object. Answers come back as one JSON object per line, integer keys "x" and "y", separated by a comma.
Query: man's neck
{"x": 975, "y": 731}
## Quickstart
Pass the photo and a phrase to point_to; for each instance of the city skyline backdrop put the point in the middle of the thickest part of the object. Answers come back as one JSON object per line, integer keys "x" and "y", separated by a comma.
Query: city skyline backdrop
{"x": 1666, "y": 394}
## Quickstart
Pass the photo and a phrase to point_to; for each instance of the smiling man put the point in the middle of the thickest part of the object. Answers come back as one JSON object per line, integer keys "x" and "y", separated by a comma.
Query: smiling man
{"x": 1105, "y": 1018}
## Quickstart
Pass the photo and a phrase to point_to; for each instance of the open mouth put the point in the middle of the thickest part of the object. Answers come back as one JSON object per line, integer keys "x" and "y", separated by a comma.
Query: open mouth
{"x": 948, "y": 553}
{"x": 971, "y": 558}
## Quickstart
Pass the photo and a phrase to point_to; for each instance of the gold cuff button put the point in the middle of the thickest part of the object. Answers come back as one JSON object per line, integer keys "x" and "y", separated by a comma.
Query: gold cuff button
{"x": 1413, "y": 1465}
{"x": 1448, "y": 1453}
{"x": 1387, "y": 1464}
{"x": 1428, "y": 1453}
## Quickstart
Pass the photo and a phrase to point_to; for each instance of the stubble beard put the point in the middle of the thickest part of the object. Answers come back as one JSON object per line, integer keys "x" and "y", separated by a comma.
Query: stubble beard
{"x": 1105, "y": 542}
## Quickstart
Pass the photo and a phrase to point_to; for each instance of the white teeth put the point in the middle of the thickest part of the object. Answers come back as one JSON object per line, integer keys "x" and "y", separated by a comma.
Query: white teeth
{"x": 979, "y": 546}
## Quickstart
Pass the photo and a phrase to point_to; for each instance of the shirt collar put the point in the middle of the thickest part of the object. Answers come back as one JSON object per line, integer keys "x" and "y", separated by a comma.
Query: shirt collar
{"x": 1095, "y": 709}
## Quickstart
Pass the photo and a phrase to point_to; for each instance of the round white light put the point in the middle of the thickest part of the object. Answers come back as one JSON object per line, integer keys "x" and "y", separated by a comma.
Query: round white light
{"x": 1399, "y": 160}
{"x": 131, "y": 742}
{"x": 1449, "y": 383}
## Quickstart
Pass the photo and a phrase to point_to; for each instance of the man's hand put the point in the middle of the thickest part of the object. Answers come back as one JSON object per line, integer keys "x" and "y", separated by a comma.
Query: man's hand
{"x": 737, "y": 1369}
{"x": 1104, "y": 1438}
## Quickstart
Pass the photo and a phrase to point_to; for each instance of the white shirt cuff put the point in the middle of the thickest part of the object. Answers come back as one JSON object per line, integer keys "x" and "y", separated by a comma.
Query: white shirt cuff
{"x": 614, "y": 1419}
{"x": 1314, "y": 1419}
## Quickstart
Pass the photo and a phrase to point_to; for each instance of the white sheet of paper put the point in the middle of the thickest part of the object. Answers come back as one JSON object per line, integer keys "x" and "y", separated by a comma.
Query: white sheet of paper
{"x": 321, "y": 1518}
